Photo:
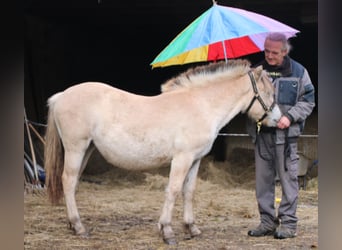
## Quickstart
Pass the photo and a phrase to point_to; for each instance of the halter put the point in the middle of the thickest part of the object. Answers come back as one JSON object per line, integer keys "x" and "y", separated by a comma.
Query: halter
{"x": 257, "y": 97}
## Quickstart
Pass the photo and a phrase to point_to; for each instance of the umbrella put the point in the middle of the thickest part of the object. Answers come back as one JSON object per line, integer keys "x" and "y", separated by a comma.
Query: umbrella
{"x": 221, "y": 32}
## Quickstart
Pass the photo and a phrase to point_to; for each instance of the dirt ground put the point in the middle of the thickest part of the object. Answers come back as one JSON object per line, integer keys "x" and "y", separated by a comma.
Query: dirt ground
{"x": 122, "y": 209}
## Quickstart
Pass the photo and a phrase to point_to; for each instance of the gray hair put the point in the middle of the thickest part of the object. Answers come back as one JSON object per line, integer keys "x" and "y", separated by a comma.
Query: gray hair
{"x": 280, "y": 37}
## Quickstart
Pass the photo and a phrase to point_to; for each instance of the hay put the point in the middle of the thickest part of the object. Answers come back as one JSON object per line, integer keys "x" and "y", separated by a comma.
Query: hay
{"x": 122, "y": 208}
{"x": 228, "y": 174}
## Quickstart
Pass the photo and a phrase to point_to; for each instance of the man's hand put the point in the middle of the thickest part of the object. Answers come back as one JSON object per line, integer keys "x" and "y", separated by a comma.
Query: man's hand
{"x": 283, "y": 122}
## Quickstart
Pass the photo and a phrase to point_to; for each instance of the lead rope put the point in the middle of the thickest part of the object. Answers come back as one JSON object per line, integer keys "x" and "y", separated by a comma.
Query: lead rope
{"x": 258, "y": 138}
{"x": 287, "y": 148}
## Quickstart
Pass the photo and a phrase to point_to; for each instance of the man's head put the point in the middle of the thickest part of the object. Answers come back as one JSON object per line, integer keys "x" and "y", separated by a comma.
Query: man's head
{"x": 276, "y": 48}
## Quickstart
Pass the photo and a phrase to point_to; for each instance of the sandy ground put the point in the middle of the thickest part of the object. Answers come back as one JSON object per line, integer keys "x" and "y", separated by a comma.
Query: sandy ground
{"x": 122, "y": 209}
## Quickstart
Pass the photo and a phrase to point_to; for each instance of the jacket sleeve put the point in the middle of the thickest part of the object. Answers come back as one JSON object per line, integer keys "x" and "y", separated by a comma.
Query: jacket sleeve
{"x": 306, "y": 100}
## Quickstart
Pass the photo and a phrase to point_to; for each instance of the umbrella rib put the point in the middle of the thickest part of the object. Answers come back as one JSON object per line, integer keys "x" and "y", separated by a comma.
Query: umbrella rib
{"x": 224, "y": 51}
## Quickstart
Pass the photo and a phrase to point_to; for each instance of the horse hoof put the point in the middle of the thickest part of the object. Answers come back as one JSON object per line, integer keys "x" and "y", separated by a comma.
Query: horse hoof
{"x": 195, "y": 231}
{"x": 191, "y": 230}
{"x": 170, "y": 241}
{"x": 167, "y": 234}
{"x": 83, "y": 235}
{"x": 187, "y": 236}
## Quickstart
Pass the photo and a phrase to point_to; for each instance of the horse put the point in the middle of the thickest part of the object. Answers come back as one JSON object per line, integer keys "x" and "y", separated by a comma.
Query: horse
{"x": 175, "y": 128}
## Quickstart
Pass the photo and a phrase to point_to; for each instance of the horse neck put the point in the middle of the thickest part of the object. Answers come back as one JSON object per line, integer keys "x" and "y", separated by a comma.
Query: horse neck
{"x": 227, "y": 98}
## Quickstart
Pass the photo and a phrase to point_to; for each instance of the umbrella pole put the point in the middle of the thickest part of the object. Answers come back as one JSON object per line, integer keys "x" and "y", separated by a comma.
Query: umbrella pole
{"x": 225, "y": 52}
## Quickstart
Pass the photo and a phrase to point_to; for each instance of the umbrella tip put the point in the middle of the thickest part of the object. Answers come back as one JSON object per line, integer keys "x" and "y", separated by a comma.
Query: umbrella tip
{"x": 214, "y": 2}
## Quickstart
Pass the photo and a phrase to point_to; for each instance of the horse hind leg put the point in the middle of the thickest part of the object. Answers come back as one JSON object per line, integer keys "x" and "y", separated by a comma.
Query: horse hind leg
{"x": 190, "y": 229}
{"x": 70, "y": 177}
{"x": 86, "y": 157}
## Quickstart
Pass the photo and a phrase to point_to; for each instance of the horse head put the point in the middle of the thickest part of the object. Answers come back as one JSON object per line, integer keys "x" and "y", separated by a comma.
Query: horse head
{"x": 262, "y": 107}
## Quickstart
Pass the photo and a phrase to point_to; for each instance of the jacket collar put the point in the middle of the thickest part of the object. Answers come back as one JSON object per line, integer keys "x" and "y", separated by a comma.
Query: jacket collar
{"x": 278, "y": 71}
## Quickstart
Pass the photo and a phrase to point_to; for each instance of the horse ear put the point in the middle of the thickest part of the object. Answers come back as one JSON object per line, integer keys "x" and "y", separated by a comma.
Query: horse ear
{"x": 257, "y": 72}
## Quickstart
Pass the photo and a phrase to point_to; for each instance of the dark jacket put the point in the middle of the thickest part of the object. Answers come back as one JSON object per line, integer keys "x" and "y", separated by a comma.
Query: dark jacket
{"x": 294, "y": 94}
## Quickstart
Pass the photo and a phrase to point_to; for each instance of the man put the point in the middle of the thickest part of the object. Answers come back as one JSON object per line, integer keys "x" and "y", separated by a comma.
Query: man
{"x": 276, "y": 148}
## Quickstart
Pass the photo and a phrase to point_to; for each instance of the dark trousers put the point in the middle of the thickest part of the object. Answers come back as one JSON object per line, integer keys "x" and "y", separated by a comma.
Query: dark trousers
{"x": 270, "y": 159}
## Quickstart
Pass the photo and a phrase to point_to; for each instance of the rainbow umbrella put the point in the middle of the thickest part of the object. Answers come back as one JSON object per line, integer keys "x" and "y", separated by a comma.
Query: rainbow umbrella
{"x": 221, "y": 32}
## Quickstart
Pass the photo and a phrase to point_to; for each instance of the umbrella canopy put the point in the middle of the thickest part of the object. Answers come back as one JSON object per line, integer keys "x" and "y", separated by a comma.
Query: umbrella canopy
{"x": 221, "y": 32}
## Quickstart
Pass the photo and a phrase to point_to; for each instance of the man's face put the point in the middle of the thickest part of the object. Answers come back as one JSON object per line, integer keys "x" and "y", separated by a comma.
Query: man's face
{"x": 274, "y": 52}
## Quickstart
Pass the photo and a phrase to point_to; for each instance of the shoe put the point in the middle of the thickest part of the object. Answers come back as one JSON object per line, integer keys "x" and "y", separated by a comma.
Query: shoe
{"x": 261, "y": 230}
{"x": 284, "y": 233}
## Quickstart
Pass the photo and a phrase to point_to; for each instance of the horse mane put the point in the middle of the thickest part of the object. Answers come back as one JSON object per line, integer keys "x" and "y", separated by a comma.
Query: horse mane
{"x": 200, "y": 75}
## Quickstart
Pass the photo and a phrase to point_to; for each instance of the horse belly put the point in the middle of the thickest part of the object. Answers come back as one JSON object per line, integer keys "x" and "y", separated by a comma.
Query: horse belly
{"x": 135, "y": 156}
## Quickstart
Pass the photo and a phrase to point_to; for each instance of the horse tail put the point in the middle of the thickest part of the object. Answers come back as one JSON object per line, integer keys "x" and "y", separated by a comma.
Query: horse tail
{"x": 53, "y": 156}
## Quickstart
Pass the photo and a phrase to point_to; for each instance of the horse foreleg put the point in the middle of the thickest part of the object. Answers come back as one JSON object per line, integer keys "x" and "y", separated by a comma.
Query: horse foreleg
{"x": 179, "y": 168}
{"x": 72, "y": 167}
{"x": 189, "y": 186}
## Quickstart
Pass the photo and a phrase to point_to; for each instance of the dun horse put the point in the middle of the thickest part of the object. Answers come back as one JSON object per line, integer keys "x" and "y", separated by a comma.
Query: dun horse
{"x": 177, "y": 127}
